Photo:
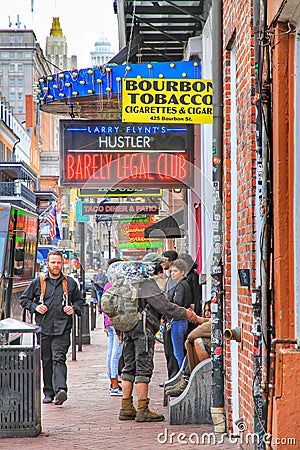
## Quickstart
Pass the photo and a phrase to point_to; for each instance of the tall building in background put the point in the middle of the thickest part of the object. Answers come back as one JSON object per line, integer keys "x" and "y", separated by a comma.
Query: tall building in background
{"x": 102, "y": 53}
{"x": 21, "y": 63}
{"x": 57, "y": 55}
{"x": 57, "y": 49}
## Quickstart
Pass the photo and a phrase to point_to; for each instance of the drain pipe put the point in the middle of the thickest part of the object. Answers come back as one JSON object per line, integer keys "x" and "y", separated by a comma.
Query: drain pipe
{"x": 217, "y": 407}
{"x": 272, "y": 384}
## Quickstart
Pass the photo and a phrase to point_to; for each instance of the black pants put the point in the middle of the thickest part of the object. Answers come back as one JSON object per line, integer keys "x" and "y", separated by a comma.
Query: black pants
{"x": 54, "y": 354}
{"x": 172, "y": 364}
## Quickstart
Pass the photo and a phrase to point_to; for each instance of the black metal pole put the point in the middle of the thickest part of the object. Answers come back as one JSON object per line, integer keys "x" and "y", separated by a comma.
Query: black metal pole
{"x": 73, "y": 337}
{"x": 79, "y": 333}
{"x": 82, "y": 258}
{"x": 93, "y": 314}
{"x": 217, "y": 407}
{"x": 109, "y": 242}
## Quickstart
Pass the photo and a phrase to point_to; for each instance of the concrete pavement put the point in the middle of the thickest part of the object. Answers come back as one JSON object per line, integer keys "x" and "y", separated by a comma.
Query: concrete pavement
{"x": 89, "y": 418}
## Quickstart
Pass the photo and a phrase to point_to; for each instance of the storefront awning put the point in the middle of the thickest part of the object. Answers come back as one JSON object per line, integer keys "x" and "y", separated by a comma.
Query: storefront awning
{"x": 169, "y": 227}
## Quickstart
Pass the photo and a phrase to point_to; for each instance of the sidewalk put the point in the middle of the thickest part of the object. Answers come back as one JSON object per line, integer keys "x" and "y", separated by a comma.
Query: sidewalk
{"x": 89, "y": 418}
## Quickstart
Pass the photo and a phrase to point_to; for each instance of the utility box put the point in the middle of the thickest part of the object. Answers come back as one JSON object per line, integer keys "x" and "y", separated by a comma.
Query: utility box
{"x": 20, "y": 381}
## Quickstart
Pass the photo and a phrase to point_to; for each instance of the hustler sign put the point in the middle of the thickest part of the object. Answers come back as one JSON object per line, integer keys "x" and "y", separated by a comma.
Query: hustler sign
{"x": 106, "y": 154}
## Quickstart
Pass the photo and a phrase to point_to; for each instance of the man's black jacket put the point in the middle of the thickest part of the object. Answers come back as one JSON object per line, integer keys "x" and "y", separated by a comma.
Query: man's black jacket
{"x": 54, "y": 321}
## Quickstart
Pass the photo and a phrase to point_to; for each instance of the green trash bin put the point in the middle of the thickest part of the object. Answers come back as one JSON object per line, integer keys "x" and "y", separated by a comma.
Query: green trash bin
{"x": 20, "y": 381}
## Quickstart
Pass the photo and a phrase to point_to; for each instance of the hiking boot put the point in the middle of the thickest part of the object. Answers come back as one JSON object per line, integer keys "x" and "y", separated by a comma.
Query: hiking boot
{"x": 178, "y": 388}
{"x": 144, "y": 414}
{"x": 127, "y": 411}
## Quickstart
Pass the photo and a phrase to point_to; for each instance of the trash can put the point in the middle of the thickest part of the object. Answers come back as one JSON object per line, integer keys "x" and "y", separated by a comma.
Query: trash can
{"x": 20, "y": 381}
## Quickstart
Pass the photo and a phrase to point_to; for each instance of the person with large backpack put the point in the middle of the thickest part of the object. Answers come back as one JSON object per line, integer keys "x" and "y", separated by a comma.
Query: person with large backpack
{"x": 135, "y": 305}
{"x": 54, "y": 298}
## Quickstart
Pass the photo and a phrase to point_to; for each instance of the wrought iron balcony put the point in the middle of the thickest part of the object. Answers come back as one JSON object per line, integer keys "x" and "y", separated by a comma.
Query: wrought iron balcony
{"x": 17, "y": 191}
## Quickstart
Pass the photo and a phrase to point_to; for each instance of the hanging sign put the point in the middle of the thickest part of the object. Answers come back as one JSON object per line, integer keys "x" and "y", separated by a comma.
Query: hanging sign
{"x": 167, "y": 100}
{"x": 118, "y": 208}
{"x": 119, "y": 192}
{"x": 109, "y": 155}
{"x": 131, "y": 234}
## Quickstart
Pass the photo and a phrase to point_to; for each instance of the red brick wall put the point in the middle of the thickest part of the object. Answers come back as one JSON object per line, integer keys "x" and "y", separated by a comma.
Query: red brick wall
{"x": 238, "y": 31}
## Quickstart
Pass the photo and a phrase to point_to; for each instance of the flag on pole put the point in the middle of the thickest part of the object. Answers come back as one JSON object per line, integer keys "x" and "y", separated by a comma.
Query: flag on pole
{"x": 51, "y": 219}
{"x": 59, "y": 226}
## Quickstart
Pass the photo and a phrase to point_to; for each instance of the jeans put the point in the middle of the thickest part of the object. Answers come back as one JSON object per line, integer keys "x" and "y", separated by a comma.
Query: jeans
{"x": 113, "y": 353}
{"x": 178, "y": 335}
{"x": 99, "y": 297}
{"x": 172, "y": 364}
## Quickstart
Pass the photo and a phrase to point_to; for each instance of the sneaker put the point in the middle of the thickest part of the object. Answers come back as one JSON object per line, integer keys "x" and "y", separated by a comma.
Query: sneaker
{"x": 116, "y": 392}
{"x": 60, "y": 397}
{"x": 47, "y": 399}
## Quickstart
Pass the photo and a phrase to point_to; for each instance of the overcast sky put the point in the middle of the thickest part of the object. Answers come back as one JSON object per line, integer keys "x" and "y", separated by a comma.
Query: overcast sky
{"x": 82, "y": 22}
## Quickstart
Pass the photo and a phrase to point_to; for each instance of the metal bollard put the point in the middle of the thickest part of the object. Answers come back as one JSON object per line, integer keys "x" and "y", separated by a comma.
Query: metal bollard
{"x": 79, "y": 340}
{"x": 83, "y": 327}
{"x": 86, "y": 339}
{"x": 93, "y": 315}
{"x": 73, "y": 337}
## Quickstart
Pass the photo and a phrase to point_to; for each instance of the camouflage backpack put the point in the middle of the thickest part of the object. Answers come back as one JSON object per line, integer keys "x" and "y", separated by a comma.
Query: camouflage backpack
{"x": 120, "y": 303}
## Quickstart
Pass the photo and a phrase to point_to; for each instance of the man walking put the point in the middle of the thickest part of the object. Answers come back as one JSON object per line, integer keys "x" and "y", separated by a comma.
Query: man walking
{"x": 54, "y": 298}
{"x": 100, "y": 281}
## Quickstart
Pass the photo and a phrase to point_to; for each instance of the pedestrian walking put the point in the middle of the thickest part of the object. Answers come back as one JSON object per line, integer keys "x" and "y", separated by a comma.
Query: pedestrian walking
{"x": 53, "y": 298}
{"x": 100, "y": 281}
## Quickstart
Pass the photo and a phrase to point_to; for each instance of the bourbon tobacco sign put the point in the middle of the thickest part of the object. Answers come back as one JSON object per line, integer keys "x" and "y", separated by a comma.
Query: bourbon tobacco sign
{"x": 107, "y": 154}
{"x": 167, "y": 100}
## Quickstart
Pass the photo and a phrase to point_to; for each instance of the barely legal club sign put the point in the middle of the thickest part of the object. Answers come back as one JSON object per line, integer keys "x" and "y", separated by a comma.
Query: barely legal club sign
{"x": 167, "y": 100}
{"x": 107, "y": 154}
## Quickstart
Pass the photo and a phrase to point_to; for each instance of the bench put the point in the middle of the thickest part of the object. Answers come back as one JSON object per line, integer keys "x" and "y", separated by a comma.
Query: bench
{"x": 193, "y": 405}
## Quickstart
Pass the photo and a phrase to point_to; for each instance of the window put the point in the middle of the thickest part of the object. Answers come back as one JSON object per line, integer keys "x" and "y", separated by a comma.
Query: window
{"x": 20, "y": 81}
{"x": 20, "y": 55}
{"x": 20, "y": 110}
{"x": 12, "y": 55}
{"x": 20, "y": 95}
{"x": 11, "y": 38}
{"x": 20, "y": 37}
{"x": 12, "y": 96}
{"x": 12, "y": 81}
{"x": 20, "y": 67}
{"x": 12, "y": 68}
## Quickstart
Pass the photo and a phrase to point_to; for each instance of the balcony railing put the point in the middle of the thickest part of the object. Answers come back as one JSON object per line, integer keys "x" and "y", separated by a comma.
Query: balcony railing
{"x": 17, "y": 190}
